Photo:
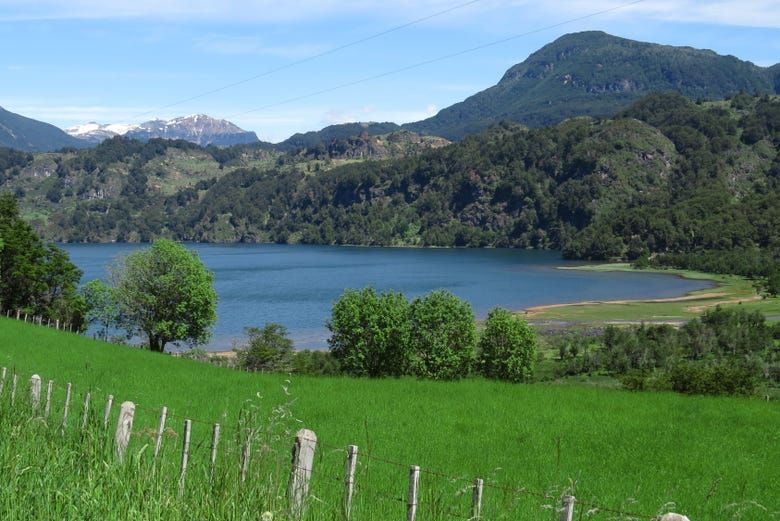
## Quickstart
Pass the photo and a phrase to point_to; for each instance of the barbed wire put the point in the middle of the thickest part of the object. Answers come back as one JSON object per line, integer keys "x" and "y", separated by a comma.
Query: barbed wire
{"x": 228, "y": 448}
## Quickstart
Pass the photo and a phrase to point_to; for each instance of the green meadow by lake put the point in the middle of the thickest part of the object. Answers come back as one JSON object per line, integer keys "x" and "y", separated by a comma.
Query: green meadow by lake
{"x": 296, "y": 285}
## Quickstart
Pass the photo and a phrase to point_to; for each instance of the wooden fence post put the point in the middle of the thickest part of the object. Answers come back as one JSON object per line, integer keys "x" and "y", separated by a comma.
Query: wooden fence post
{"x": 35, "y": 393}
{"x": 185, "y": 455}
{"x": 124, "y": 426}
{"x": 567, "y": 508}
{"x": 17, "y": 314}
{"x": 414, "y": 485}
{"x": 25, "y": 318}
{"x": 302, "y": 465}
{"x": 349, "y": 480}
{"x": 13, "y": 388}
{"x": 47, "y": 407}
{"x": 85, "y": 415}
{"x": 246, "y": 454}
{"x": 107, "y": 410}
{"x": 2, "y": 380}
{"x": 48, "y": 323}
{"x": 66, "y": 407}
{"x": 476, "y": 500}
{"x": 214, "y": 445}
{"x": 58, "y": 324}
{"x": 160, "y": 431}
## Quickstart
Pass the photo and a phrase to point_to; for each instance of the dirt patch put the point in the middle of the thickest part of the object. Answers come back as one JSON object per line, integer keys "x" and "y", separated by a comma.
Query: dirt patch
{"x": 537, "y": 310}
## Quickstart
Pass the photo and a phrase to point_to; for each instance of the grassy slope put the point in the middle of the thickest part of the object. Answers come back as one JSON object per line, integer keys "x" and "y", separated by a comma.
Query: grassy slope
{"x": 701, "y": 453}
{"x": 731, "y": 290}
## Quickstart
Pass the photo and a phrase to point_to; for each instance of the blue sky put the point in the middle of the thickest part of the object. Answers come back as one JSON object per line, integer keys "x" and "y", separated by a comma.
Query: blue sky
{"x": 124, "y": 61}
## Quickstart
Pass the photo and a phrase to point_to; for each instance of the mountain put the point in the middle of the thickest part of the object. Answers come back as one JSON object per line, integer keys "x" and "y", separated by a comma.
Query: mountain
{"x": 330, "y": 133}
{"x": 199, "y": 128}
{"x": 95, "y": 133}
{"x": 596, "y": 74}
{"x": 30, "y": 135}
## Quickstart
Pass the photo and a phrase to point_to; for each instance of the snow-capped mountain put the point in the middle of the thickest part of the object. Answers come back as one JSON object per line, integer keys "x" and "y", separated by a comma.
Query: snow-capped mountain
{"x": 200, "y": 129}
{"x": 95, "y": 132}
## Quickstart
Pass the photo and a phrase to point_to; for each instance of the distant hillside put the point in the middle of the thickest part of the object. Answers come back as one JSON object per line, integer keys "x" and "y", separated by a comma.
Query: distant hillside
{"x": 596, "y": 74}
{"x": 667, "y": 175}
{"x": 325, "y": 136}
{"x": 30, "y": 135}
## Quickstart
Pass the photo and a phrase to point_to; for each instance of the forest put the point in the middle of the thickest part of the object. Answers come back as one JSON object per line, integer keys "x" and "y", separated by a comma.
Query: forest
{"x": 669, "y": 181}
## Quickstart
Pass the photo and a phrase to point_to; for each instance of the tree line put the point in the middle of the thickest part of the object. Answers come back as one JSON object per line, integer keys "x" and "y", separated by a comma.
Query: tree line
{"x": 667, "y": 178}
{"x": 724, "y": 351}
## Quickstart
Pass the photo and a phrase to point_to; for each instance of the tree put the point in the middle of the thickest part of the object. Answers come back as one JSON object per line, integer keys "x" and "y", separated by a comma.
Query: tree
{"x": 507, "y": 347}
{"x": 442, "y": 336}
{"x": 269, "y": 349}
{"x": 34, "y": 276}
{"x": 370, "y": 333}
{"x": 165, "y": 293}
{"x": 103, "y": 306}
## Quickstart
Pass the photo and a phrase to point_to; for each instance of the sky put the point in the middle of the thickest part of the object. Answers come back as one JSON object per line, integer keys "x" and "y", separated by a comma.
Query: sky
{"x": 280, "y": 67}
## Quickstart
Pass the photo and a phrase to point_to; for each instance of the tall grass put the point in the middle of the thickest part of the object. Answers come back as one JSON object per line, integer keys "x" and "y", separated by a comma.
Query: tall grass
{"x": 711, "y": 458}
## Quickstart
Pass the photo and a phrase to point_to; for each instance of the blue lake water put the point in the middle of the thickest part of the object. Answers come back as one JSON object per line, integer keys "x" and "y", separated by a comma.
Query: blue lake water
{"x": 296, "y": 285}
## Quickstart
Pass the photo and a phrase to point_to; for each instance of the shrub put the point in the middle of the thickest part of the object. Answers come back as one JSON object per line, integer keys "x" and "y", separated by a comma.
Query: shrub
{"x": 725, "y": 377}
{"x": 269, "y": 349}
{"x": 315, "y": 363}
{"x": 370, "y": 333}
{"x": 507, "y": 347}
{"x": 442, "y": 336}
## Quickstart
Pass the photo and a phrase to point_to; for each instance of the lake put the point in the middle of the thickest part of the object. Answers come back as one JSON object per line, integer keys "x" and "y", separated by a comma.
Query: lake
{"x": 296, "y": 285}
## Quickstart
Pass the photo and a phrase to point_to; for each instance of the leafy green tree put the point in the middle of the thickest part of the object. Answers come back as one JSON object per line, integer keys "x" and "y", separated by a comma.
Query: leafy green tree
{"x": 370, "y": 333}
{"x": 269, "y": 349}
{"x": 34, "y": 276}
{"x": 442, "y": 336}
{"x": 166, "y": 294}
{"x": 102, "y": 305}
{"x": 507, "y": 347}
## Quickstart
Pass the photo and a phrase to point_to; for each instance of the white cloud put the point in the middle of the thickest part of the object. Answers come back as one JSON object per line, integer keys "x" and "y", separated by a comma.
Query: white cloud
{"x": 753, "y": 13}
{"x": 72, "y": 112}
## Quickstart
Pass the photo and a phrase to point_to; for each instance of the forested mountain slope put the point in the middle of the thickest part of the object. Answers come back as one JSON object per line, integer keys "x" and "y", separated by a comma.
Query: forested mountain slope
{"x": 668, "y": 175}
{"x": 596, "y": 74}
{"x": 30, "y": 135}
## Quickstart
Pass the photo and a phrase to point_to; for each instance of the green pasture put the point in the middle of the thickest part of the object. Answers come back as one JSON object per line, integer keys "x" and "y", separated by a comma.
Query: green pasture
{"x": 642, "y": 453}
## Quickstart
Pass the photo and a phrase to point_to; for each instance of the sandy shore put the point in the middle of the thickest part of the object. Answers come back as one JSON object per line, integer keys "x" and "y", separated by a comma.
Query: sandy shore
{"x": 537, "y": 310}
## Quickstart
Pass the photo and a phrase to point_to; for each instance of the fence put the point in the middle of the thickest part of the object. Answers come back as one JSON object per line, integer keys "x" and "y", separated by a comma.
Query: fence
{"x": 40, "y": 320}
{"x": 300, "y": 468}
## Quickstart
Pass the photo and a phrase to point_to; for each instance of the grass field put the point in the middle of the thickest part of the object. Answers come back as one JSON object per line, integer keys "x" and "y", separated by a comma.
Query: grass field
{"x": 730, "y": 291}
{"x": 710, "y": 458}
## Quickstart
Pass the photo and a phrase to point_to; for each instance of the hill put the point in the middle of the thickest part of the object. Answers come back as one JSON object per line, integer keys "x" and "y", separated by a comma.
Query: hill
{"x": 596, "y": 74}
{"x": 330, "y": 133}
{"x": 29, "y": 135}
{"x": 542, "y": 437}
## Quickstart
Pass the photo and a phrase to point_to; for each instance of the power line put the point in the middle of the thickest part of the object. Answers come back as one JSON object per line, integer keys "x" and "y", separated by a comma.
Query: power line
{"x": 434, "y": 60}
{"x": 312, "y": 57}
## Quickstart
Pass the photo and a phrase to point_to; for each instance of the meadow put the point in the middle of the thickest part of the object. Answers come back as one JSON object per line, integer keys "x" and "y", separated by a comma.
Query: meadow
{"x": 730, "y": 290}
{"x": 642, "y": 453}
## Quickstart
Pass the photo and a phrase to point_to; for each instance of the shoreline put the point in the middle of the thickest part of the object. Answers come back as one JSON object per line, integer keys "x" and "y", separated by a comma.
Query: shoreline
{"x": 727, "y": 290}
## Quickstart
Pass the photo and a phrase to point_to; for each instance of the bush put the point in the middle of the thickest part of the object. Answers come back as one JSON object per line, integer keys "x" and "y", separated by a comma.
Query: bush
{"x": 634, "y": 381}
{"x": 315, "y": 363}
{"x": 269, "y": 349}
{"x": 718, "y": 378}
{"x": 370, "y": 333}
{"x": 442, "y": 336}
{"x": 507, "y": 347}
